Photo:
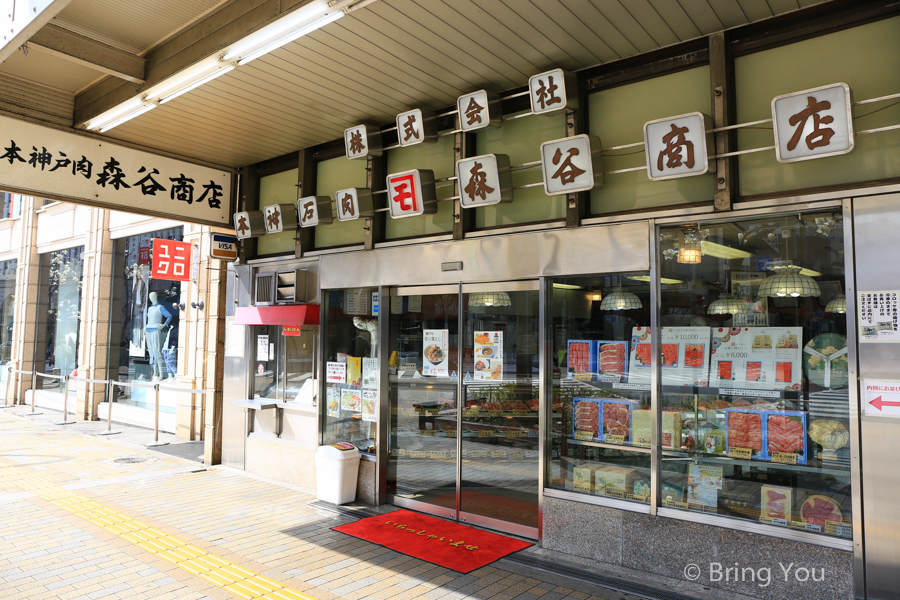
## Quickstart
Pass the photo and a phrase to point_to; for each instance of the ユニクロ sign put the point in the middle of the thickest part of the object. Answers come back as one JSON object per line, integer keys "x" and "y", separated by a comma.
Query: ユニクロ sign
{"x": 171, "y": 260}
{"x": 45, "y": 162}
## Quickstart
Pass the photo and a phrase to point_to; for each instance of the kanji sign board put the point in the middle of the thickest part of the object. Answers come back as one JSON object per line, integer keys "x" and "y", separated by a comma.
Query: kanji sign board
{"x": 813, "y": 123}
{"x": 171, "y": 260}
{"x": 881, "y": 397}
{"x": 677, "y": 146}
{"x": 50, "y": 163}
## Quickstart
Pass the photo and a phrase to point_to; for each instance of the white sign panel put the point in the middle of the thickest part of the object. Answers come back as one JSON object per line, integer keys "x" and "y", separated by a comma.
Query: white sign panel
{"x": 756, "y": 358}
{"x": 548, "y": 91}
{"x": 475, "y": 111}
{"x": 813, "y": 123}
{"x": 362, "y": 141}
{"x": 50, "y": 163}
{"x": 314, "y": 210}
{"x": 878, "y": 312}
{"x": 411, "y": 193}
{"x": 347, "y": 202}
{"x": 336, "y": 372}
{"x": 684, "y": 354}
{"x": 411, "y": 128}
{"x": 262, "y": 348}
{"x": 676, "y": 146}
{"x": 274, "y": 218}
{"x": 881, "y": 398}
{"x": 567, "y": 165}
{"x": 489, "y": 355}
{"x": 484, "y": 180}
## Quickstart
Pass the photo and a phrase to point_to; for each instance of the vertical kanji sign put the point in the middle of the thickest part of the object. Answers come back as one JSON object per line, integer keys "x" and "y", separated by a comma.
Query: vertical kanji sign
{"x": 171, "y": 260}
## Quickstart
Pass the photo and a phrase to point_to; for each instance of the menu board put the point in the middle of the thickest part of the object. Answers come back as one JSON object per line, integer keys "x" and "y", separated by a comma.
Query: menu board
{"x": 262, "y": 348}
{"x": 488, "y": 355}
{"x": 356, "y": 302}
{"x": 333, "y": 403}
{"x": 684, "y": 353}
{"x": 878, "y": 312}
{"x": 336, "y": 372}
{"x": 370, "y": 373}
{"x": 435, "y": 352}
{"x": 351, "y": 400}
{"x": 354, "y": 371}
{"x": 756, "y": 358}
{"x": 369, "y": 406}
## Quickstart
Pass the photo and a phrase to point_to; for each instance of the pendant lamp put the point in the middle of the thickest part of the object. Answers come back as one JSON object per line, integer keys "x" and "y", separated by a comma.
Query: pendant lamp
{"x": 619, "y": 299}
{"x": 489, "y": 299}
{"x": 788, "y": 280}
{"x": 690, "y": 251}
{"x": 727, "y": 304}
{"x": 838, "y": 305}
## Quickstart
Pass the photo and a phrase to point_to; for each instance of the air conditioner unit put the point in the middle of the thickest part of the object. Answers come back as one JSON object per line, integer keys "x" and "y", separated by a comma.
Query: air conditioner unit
{"x": 264, "y": 294}
{"x": 291, "y": 287}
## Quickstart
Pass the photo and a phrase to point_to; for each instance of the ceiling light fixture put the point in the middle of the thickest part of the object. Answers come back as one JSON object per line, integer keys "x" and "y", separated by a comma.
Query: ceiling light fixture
{"x": 646, "y": 278}
{"x": 619, "y": 299}
{"x": 689, "y": 252}
{"x": 789, "y": 279}
{"x": 311, "y": 12}
{"x": 290, "y": 37}
{"x": 489, "y": 299}
{"x": 721, "y": 251}
{"x": 838, "y": 305}
{"x": 144, "y": 109}
{"x": 196, "y": 84}
{"x": 727, "y": 304}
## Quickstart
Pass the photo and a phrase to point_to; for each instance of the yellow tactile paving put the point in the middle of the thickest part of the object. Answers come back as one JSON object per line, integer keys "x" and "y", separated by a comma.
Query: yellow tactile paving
{"x": 241, "y": 582}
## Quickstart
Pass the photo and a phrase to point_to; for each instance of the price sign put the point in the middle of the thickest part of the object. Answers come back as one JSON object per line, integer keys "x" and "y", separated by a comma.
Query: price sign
{"x": 427, "y": 432}
{"x": 637, "y": 498}
{"x": 581, "y": 486}
{"x": 451, "y": 433}
{"x": 643, "y": 442}
{"x": 615, "y": 439}
{"x": 746, "y": 453}
{"x": 838, "y": 528}
{"x": 675, "y": 504}
{"x": 771, "y": 521}
{"x": 485, "y": 434}
{"x": 418, "y": 454}
{"x": 495, "y": 413}
{"x": 470, "y": 413}
{"x": 616, "y": 493}
{"x": 478, "y": 454}
{"x": 806, "y": 526}
{"x": 586, "y": 436}
{"x": 516, "y": 434}
{"x": 788, "y": 458}
{"x": 394, "y": 410}
{"x": 498, "y": 454}
{"x": 402, "y": 452}
{"x": 584, "y": 377}
{"x": 519, "y": 413}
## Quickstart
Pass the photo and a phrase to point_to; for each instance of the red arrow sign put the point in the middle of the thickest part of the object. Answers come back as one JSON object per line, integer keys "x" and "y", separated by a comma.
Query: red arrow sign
{"x": 878, "y": 403}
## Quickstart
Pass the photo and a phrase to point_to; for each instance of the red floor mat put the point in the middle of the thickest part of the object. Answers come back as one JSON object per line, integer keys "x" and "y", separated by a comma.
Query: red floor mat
{"x": 451, "y": 545}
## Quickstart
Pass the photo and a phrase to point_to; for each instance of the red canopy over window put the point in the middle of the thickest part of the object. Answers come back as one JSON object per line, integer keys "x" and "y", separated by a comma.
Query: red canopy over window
{"x": 295, "y": 314}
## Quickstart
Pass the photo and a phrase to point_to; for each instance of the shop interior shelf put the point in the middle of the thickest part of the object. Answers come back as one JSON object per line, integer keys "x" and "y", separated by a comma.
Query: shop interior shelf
{"x": 813, "y": 466}
{"x": 590, "y": 444}
{"x": 694, "y": 390}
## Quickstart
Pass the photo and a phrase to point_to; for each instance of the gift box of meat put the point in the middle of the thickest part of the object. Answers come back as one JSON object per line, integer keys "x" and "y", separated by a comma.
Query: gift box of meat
{"x": 617, "y": 419}
{"x": 612, "y": 360}
{"x": 618, "y": 481}
{"x": 786, "y": 434}
{"x": 585, "y": 475}
{"x": 746, "y": 430}
{"x": 586, "y": 416}
{"x": 671, "y": 429}
{"x": 582, "y": 358}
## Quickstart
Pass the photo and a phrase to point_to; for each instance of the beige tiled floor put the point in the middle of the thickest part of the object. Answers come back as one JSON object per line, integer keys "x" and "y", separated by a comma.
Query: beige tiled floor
{"x": 49, "y": 548}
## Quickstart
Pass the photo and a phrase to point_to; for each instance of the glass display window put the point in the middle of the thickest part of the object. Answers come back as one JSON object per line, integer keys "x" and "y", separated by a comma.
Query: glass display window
{"x": 754, "y": 371}
{"x": 60, "y": 296}
{"x": 284, "y": 362}
{"x": 349, "y": 406}
{"x": 144, "y": 346}
{"x": 600, "y": 409}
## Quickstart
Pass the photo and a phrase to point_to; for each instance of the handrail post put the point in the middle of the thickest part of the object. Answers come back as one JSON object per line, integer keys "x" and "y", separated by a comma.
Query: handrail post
{"x": 9, "y": 373}
{"x": 156, "y": 441}
{"x": 65, "y": 419}
{"x": 33, "y": 394}
{"x": 109, "y": 431}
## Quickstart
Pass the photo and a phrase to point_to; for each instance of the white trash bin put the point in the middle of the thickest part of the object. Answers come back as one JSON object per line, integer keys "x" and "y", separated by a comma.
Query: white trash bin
{"x": 337, "y": 470}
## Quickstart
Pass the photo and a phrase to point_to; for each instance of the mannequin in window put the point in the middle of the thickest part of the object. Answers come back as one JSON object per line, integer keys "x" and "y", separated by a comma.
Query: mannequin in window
{"x": 158, "y": 319}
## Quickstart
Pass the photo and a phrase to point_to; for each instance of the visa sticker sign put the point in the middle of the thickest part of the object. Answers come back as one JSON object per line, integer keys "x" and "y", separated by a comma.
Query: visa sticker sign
{"x": 223, "y": 247}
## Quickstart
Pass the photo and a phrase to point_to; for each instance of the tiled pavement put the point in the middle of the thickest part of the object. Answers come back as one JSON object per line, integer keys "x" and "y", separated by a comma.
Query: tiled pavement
{"x": 76, "y": 524}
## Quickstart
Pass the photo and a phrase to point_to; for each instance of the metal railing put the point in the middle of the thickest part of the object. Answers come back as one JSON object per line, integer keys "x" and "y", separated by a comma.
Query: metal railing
{"x": 110, "y": 385}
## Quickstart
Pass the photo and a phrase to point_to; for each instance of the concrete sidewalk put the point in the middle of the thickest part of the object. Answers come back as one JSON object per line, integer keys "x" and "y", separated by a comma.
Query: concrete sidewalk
{"x": 83, "y": 516}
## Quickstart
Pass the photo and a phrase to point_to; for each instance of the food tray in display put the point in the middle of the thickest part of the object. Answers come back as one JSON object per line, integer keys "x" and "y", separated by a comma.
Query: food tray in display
{"x": 614, "y": 356}
{"x": 582, "y": 358}
{"x": 786, "y": 432}
{"x": 616, "y": 418}
{"x": 739, "y": 420}
{"x": 587, "y": 415}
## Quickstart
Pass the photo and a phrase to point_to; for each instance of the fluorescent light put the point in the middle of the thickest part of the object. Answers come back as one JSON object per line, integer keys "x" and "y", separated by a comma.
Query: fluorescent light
{"x": 720, "y": 251}
{"x": 311, "y": 12}
{"x": 198, "y": 83}
{"x": 128, "y": 117}
{"x": 175, "y": 82}
{"x": 810, "y": 273}
{"x": 290, "y": 37}
{"x": 661, "y": 279}
{"x": 115, "y": 113}
{"x": 567, "y": 286}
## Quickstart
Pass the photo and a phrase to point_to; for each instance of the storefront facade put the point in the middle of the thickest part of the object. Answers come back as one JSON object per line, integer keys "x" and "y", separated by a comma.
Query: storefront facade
{"x": 658, "y": 368}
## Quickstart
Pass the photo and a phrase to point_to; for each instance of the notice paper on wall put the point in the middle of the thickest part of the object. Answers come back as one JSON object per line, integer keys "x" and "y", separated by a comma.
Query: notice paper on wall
{"x": 488, "y": 355}
{"x": 333, "y": 403}
{"x": 336, "y": 372}
{"x": 370, "y": 373}
{"x": 369, "y": 405}
{"x": 262, "y": 348}
{"x": 435, "y": 352}
{"x": 878, "y": 312}
{"x": 354, "y": 371}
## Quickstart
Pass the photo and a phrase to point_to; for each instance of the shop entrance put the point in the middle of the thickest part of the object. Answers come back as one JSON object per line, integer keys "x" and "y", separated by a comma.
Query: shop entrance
{"x": 464, "y": 403}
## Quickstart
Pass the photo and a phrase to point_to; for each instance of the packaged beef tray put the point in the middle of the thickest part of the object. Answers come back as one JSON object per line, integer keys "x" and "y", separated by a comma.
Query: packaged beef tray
{"x": 786, "y": 436}
{"x": 746, "y": 430}
{"x": 586, "y": 415}
{"x": 612, "y": 360}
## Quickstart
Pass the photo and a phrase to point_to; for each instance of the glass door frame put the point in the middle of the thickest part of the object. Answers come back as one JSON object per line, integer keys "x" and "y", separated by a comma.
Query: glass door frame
{"x": 383, "y": 457}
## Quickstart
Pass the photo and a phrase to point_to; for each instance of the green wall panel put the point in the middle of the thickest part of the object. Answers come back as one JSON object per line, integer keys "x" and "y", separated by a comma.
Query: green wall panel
{"x": 280, "y": 188}
{"x": 333, "y": 175}
{"x": 439, "y": 158}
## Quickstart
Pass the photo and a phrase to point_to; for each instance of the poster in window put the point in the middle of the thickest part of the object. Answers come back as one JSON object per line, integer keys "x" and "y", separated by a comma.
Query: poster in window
{"x": 684, "y": 355}
{"x": 336, "y": 372}
{"x": 333, "y": 403}
{"x": 351, "y": 400}
{"x": 878, "y": 313}
{"x": 415, "y": 304}
{"x": 756, "y": 358}
{"x": 488, "y": 355}
{"x": 369, "y": 406}
{"x": 354, "y": 371}
{"x": 262, "y": 348}
{"x": 370, "y": 373}
{"x": 435, "y": 352}
{"x": 396, "y": 305}
{"x": 356, "y": 302}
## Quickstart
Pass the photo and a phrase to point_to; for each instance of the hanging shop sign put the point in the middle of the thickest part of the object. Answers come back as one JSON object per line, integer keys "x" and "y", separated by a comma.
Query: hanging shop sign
{"x": 678, "y": 146}
{"x": 171, "y": 260}
{"x": 484, "y": 180}
{"x": 314, "y": 210}
{"x": 280, "y": 217}
{"x": 813, "y": 123}
{"x": 354, "y": 203}
{"x": 221, "y": 246}
{"x": 878, "y": 314}
{"x": 479, "y": 110}
{"x": 417, "y": 126}
{"x": 249, "y": 224}
{"x": 50, "y": 163}
{"x": 572, "y": 164}
{"x": 412, "y": 193}
{"x": 548, "y": 92}
{"x": 362, "y": 141}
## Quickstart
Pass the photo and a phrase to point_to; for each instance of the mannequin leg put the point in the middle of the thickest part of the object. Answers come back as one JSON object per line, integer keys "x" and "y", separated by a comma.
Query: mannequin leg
{"x": 154, "y": 343}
